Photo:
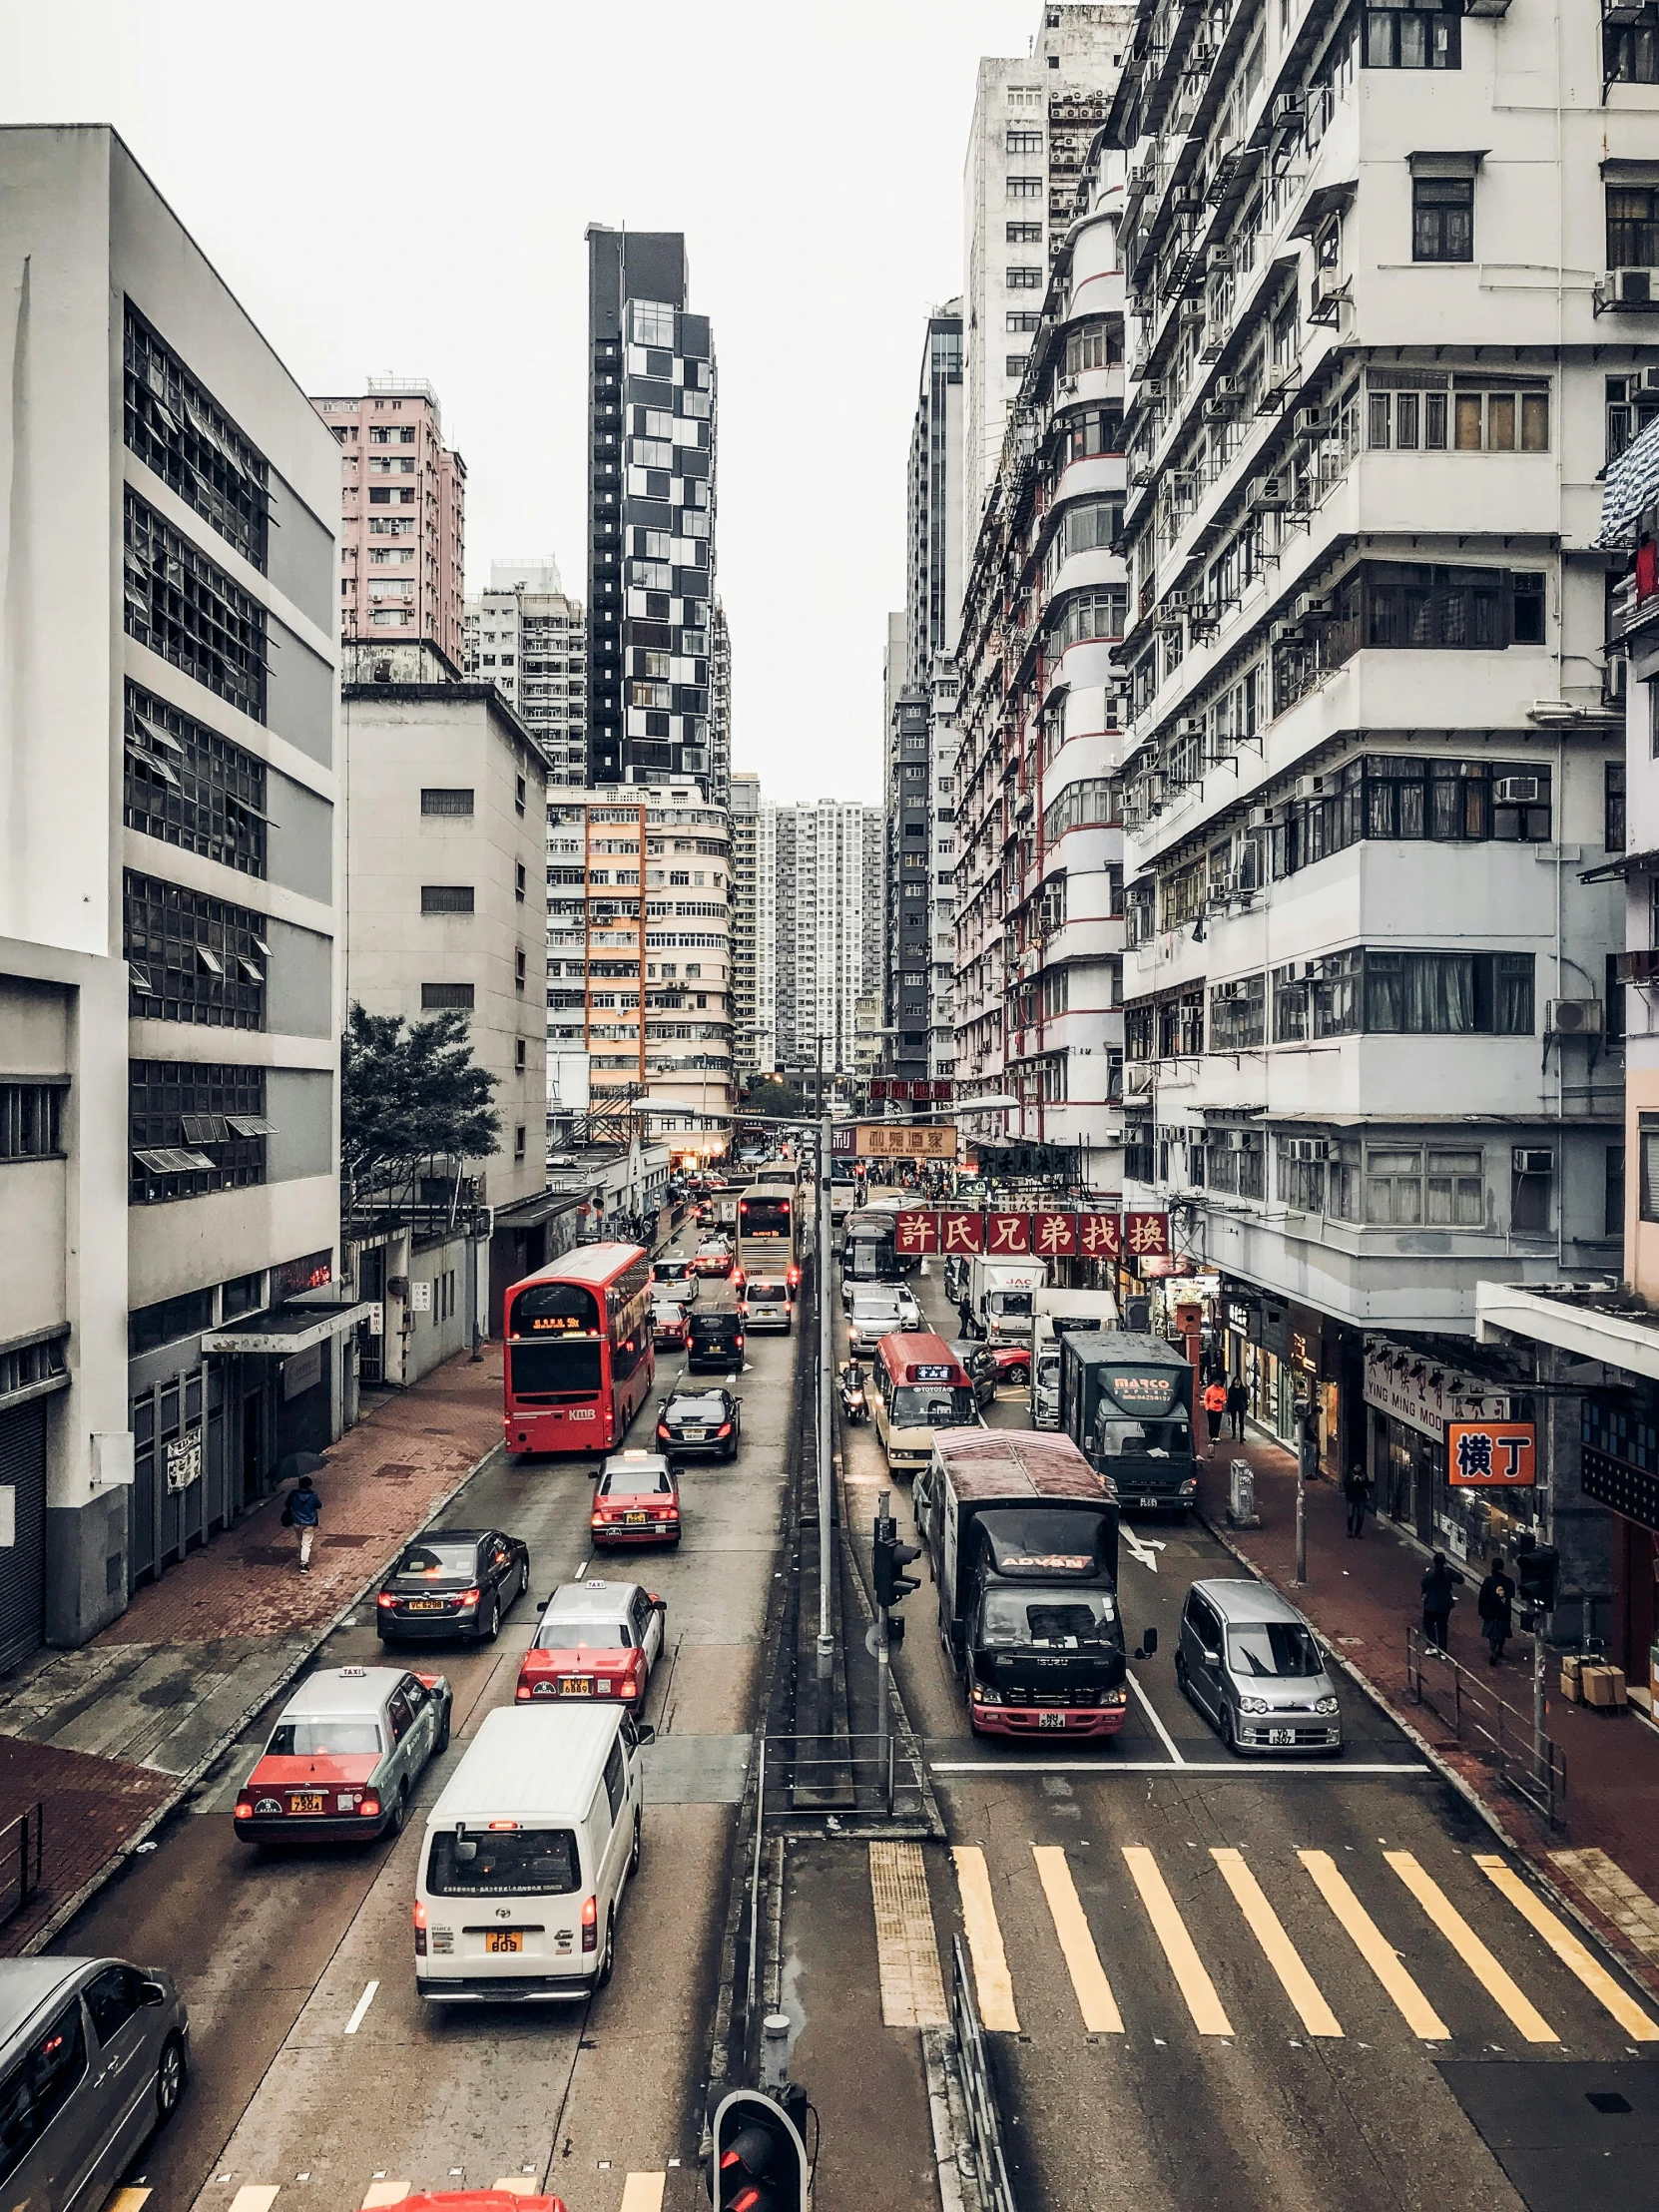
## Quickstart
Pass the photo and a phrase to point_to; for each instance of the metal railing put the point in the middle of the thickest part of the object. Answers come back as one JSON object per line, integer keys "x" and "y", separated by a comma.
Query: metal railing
{"x": 825, "y": 1777}
{"x": 1522, "y": 1757}
{"x": 979, "y": 2089}
{"x": 20, "y": 1853}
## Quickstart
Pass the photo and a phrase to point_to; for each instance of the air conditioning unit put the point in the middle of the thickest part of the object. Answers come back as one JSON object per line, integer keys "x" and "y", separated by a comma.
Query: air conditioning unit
{"x": 1258, "y": 818}
{"x": 1285, "y": 633}
{"x": 1526, "y": 1160}
{"x": 1615, "y": 681}
{"x": 1152, "y": 391}
{"x": 1220, "y": 259}
{"x": 1176, "y": 602}
{"x": 1317, "y": 423}
{"x": 1631, "y": 288}
{"x": 1289, "y": 112}
{"x": 1516, "y": 790}
{"x": 1310, "y": 786}
{"x": 1313, "y": 607}
{"x": 1572, "y": 1017}
{"x": 1268, "y": 495}
{"x": 1190, "y": 725}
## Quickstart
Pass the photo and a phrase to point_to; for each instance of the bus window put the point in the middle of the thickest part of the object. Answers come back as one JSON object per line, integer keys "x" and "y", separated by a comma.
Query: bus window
{"x": 556, "y": 1369}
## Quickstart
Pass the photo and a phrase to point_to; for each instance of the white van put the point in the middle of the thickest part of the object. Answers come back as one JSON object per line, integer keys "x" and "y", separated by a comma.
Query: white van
{"x": 525, "y": 1857}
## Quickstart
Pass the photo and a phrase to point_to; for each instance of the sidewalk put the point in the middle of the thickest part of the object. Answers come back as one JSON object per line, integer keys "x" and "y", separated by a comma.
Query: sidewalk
{"x": 1363, "y": 1595}
{"x": 111, "y": 1735}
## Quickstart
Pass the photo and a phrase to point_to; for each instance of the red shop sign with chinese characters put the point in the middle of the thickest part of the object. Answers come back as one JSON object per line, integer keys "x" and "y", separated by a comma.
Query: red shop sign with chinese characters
{"x": 963, "y": 1232}
{"x": 1010, "y": 1233}
{"x": 1054, "y": 1236}
{"x": 917, "y": 1233}
{"x": 1145, "y": 1234}
{"x": 1099, "y": 1236}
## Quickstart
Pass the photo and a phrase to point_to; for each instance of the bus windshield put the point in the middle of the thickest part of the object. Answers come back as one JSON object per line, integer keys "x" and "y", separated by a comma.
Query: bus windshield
{"x": 932, "y": 1405}
{"x": 568, "y": 1368}
{"x": 765, "y": 1217}
{"x": 556, "y": 1310}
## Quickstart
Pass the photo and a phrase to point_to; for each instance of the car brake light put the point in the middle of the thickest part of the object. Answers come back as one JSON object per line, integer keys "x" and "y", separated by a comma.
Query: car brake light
{"x": 371, "y": 1807}
{"x": 419, "y": 1913}
{"x": 385, "y": 1598}
{"x": 523, "y": 1690}
{"x": 590, "y": 1924}
{"x": 421, "y": 1928}
{"x": 665, "y": 1432}
{"x": 740, "y": 1339}
{"x": 245, "y": 1809}
{"x": 725, "y": 1428}
{"x": 470, "y": 1597}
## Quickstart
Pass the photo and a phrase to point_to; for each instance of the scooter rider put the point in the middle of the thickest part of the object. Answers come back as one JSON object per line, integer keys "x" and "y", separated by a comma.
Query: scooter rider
{"x": 854, "y": 1404}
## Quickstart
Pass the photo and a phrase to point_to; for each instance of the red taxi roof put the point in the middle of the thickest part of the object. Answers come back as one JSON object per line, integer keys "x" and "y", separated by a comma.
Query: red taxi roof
{"x": 902, "y": 1355}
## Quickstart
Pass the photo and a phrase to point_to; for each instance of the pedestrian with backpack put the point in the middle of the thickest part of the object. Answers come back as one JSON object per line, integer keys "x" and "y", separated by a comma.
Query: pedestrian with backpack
{"x": 303, "y": 1512}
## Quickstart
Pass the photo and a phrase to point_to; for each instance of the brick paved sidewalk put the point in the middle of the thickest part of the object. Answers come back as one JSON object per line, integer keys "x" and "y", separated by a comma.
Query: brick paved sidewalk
{"x": 112, "y": 1734}
{"x": 1363, "y": 1595}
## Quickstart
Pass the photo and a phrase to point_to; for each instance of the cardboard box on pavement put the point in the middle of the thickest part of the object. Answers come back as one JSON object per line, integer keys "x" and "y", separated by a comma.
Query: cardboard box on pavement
{"x": 1603, "y": 1686}
{"x": 1571, "y": 1686}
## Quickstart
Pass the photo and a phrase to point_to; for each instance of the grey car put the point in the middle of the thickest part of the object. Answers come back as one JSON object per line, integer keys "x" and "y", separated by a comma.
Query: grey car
{"x": 94, "y": 2055}
{"x": 1253, "y": 1667}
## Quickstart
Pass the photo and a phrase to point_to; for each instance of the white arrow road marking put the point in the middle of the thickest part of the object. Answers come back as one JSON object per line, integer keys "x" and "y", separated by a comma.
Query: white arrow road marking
{"x": 1144, "y": 1548}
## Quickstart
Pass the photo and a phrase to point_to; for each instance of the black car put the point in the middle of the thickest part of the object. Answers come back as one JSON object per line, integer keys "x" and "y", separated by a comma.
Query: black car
{"x": 981, "y": 1366}
{"x": 715, "y": 1341}
{"x": 700, "y": 1424}
{"x": 452, "y": 1582}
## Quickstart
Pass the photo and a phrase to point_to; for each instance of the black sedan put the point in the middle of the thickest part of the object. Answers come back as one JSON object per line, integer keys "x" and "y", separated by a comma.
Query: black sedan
{"x": 452, "y": 1582}
{"x": 700, "y": 1424}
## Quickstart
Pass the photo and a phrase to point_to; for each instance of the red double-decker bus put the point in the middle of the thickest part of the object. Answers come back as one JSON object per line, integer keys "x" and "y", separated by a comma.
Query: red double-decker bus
{"x": 580, "y": 1358}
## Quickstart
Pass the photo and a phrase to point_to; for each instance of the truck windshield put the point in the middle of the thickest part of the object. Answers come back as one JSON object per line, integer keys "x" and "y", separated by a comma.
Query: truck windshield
{"x": 1148, "y": 1440}
{"x": 926, "y": 1405}
{"x": 1008, "y": 1302}
{"x": 1048, "y": 1371}
{"x": 1270, "y": 1648}
{"x": 1059, "y": 1620}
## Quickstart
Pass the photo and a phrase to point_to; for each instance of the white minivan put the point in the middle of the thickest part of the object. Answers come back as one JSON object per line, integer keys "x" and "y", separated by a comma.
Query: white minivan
{"x": 526, "y": 1855}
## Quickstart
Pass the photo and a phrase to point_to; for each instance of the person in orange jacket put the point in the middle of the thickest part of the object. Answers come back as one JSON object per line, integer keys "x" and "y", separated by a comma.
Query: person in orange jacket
{"x": 1215, "y": 1409}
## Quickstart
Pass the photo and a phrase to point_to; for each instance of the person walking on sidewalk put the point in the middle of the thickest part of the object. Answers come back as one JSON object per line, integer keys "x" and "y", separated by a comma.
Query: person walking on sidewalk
{"x": 1494, "y": 1603}
{"x": 1238, "y": 1405}
{"x": 1357, "y": 1491}
{"x": 1440, "y": 1583}
{"x": 303, "y": 1512}
{"x": 1215, "y": 1407}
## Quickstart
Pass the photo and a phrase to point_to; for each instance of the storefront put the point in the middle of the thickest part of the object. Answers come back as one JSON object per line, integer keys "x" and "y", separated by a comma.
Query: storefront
{"x": 1283, "y": 1351}
{"x": 1411, "y": 1397}
{"x": 1620, "y": 1469}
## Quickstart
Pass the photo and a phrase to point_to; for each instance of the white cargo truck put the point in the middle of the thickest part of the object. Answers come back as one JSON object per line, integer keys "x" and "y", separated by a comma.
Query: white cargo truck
{"x": 998, "y": 1306}
{"x": 1056, "y": 1312}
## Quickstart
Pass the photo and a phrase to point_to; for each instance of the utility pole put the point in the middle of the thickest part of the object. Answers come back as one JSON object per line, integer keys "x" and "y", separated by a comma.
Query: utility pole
{"x": 826, "y": 1379}
{"x": 885, "y": 1529}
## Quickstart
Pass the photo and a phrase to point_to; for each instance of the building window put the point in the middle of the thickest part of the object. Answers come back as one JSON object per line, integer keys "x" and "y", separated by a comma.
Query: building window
{"x": 1094, "y": 527}
{"x": 1024, "y": 233}
{"x": 519, "y": 970}
{"x": 1414, "y": 607}
{"x": 1632, "y": 403}
{"x": 194, "y": 1127}
{"x": 1647, "y": 1137}
{"x": 651, "y": 322}
{"x": 1025, "y": 187}
{"x": 446, "y": 898}
{"x": 1612, "y": 805}
{"x": 1630, "y": 44}
{"x": 187, "y": 610}
{"x": 518, "y": 1133}
{"x": 1298, "y": 1174}
{"x": 31, "y": 1119}
{"x": 151, "y": 1326}
{"x": 1024, "y": 140}
{"x": 519, "y": 879}
{"x": 1093, "y": 345}
{"x": 177, "y": 431}
{"x": 1098, "y": 431}
{"x": 1442, "y": 218}
{"x": 1014, "y": 363}
{"x": 190, "y": 957}
{"x": 1408, "y": 1186}
{"x": 1531, "y": 1189}
{"x": 1096, "y": 614}
{"x": 445, "y": 800}
{"x": 1021, "y": 278}
{"x": 520, "y": 791}
{"x": 1632, "y": 227}
{"x": 1238, "y": 1014}
{"x": 1421, "y": 34}
{"x": 439, "y": 997}
{"x": 1612, "y": 1203}
{"x": 1021, "y": 321}
{"x": 190, "y": 787}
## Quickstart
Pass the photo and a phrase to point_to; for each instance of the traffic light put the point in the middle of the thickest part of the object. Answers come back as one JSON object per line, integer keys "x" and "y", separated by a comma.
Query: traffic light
{"x": 891, "y": 1587}
{"x": 759, "y": 2162}
{"x": 1539, "y": 1566}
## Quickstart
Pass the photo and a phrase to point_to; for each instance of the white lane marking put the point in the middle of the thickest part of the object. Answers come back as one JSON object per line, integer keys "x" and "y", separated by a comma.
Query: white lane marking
{"x": 1143, "y": 1549}
{"x": 1017, "y": 1769}
{"x": 1166, "y": 1740}
{"x": 360, "y": 2008}
{"x": 581, "y": 1570}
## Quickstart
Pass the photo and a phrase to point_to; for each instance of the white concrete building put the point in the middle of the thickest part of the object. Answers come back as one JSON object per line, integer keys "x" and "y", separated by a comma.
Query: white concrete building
{"x": 447, "y": 799}
{"x": 746, "y": 849}
{"x": 819, "y": 929}
{"x": 1040, "y": 876}
{"x": 525, "y": 636}
{"x": 1034, "y": 120}
{"x": 169, "y": 872}
{"x": 1376, "y": 308}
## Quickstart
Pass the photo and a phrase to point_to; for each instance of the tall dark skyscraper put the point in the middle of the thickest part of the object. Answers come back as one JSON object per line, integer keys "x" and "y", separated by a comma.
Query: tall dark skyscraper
{"x": 651, "y": 512}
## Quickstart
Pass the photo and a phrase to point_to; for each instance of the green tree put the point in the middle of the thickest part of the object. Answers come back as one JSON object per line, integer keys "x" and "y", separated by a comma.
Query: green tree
{"x": 409, "y": 1092}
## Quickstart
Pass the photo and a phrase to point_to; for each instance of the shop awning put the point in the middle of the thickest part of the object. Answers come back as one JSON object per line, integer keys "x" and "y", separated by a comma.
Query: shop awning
{"x": 288, "y": 1328}
{"x": 1627, "y": 863}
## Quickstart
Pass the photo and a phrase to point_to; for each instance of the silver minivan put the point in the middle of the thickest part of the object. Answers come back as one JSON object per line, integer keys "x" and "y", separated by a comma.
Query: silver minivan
{"x": 94, "y": 2055}
{"x": 1253, "y": 1667}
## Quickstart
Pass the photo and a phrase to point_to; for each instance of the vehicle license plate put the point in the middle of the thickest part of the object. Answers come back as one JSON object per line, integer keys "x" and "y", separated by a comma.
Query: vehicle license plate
{"x": 503, "y": 1939}
{"x": 1051, "y": 1720}
{"x": 580, "y": 1684}
{"x": 309, "y": 1802}
{"x": 1146, "y": 1502}
{"x": 1281, "y": 1735}
{"x": 694, "y": 1435}
{"x": 635, "y": 1521}
{"x": 426, "y": 1604}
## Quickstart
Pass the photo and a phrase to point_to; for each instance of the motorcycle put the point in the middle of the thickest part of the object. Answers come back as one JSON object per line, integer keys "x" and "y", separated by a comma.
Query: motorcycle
{"x": 854, "y": 1404}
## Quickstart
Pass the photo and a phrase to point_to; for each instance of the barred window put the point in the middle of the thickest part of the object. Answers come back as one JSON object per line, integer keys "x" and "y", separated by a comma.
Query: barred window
{"x": 192, "y": 788}
{"x": 31, "y": 1120}
{"x": 440, "y": 800}
{"x": 446, "y": 898}
{"x": 437, "y": 996}
{"x": 177, "y": 430}
{"x": 194, "y": 1127}
{"x": 1238, "y": 1014}
{"x": 187, "y": 610}
{"x": 190, "y": 957}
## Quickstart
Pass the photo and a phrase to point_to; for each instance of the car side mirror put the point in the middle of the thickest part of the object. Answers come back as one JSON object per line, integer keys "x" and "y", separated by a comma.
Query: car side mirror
{"x": 659, "y": 1604}
{"x": 152, "y": 1992}
{"x": 541, "y": 1605}
{"x": 645, "y": 1732}
{"x": 1149, "y": 1643}
{"x": 1210, "y": 1658}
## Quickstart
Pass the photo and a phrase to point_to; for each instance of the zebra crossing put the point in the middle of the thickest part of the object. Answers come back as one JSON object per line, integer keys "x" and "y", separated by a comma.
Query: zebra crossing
{"x": 1383, "y": 1928}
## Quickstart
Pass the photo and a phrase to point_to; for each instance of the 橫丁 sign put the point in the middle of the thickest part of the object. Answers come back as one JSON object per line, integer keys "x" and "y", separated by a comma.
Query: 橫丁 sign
{"x": 1491, "y": 1455}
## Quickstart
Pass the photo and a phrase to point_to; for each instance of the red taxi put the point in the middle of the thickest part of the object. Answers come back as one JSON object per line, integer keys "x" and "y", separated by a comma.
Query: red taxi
{"x": 636, "y": 1500}
{"x": 344, "y": 1760}
{"x": 670, "y": 1327}
{"x": 596, "y": 1640}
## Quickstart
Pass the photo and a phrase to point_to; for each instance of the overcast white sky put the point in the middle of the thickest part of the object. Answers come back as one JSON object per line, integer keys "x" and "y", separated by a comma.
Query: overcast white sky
{"x": 407, "y": 188}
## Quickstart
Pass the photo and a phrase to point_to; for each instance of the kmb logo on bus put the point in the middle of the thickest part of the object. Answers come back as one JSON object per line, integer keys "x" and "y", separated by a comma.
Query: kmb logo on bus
{"x": 1045, "y": 1236}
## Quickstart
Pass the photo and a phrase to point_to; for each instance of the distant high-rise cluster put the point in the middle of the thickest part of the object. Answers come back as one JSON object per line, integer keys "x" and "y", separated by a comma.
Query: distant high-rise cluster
{"x": 819, "y": 930}
{"x": 528, "y": 639}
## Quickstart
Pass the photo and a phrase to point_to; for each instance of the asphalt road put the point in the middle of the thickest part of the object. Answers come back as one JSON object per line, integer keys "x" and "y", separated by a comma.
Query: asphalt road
{"x": 1211, "y": 1981}
{"x": 303, "y": 2096}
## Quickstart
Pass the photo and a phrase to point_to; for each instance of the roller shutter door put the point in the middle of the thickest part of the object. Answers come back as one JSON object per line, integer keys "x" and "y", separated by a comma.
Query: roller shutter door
{"x": 23, "y": 1561}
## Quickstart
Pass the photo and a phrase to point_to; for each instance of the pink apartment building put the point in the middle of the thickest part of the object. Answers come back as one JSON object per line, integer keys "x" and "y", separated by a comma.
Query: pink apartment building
{"x": 403, "y": 539}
